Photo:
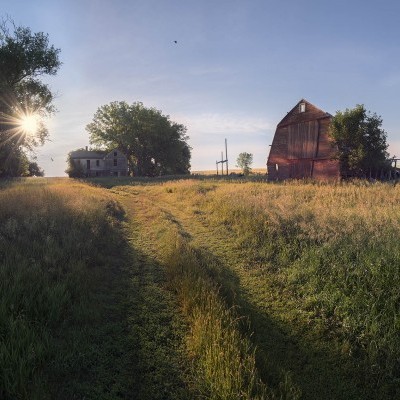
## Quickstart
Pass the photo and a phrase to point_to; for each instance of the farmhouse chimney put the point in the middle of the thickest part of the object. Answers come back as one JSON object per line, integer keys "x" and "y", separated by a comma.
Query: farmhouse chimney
{"x": 86, "y": 148}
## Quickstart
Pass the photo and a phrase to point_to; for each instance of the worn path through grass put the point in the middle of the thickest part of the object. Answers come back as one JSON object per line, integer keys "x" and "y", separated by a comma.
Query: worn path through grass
{"x": 155, "y": 322}
{"x": 288, "y": 359}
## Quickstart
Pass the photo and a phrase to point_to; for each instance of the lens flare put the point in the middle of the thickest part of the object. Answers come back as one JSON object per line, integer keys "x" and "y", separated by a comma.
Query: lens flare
{"x": 29, "y": 123}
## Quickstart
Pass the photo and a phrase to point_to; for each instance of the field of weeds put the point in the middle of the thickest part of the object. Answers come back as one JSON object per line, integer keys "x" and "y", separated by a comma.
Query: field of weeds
{"x": 199, "y": 288}
{"x": 315, "y": 269}
{"x": 73, "y": 300}
{"x": 55, "y": 241}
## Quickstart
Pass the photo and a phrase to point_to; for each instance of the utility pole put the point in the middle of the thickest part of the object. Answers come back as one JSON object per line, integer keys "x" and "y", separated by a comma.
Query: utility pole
{"x": 226, "y": 155}
{"x": 222, "y": 162}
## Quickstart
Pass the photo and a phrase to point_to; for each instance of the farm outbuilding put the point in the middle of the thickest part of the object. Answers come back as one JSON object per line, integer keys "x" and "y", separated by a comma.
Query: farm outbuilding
{"x": 301, "y": 147}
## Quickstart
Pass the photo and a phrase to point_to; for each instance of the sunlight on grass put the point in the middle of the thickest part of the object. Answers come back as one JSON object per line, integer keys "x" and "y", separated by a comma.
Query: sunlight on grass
{"x": 320, "y": 261}
{"x": 311, "y": 269}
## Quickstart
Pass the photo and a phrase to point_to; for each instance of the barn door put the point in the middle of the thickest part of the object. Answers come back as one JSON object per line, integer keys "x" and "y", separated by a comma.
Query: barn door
{"x": 302, "y": 140}
{"x": 302, "y": 147}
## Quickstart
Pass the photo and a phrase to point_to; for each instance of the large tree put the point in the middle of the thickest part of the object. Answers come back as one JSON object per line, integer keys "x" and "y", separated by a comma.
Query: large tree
{"x": 360, "y": 141}
{"x": 153, "y": 143}
{"x": 24, "y": 100}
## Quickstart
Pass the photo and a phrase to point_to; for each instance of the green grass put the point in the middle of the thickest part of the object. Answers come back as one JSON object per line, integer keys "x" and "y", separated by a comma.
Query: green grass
{"x": 335, "y": 251}
{"x": 333, "y": 254}
{"x": 110, "y": 182}
{"x": 55, "y": 244}
{"x": 199, "y": 288}
{"x": 223, "y": 358}
{"x": 78, "y": 313}
{"x": 317, "y": 275}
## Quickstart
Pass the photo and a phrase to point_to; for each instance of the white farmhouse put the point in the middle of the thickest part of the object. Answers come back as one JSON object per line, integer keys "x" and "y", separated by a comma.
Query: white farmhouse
{"x": 101, "y": 163}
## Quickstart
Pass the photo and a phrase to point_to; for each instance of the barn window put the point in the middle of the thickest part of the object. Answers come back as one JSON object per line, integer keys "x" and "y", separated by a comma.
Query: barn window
{"x": 302, "y": 107}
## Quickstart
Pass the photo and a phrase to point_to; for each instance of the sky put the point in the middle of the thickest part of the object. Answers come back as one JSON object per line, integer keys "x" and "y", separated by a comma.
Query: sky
{"x": 237, "y": 68}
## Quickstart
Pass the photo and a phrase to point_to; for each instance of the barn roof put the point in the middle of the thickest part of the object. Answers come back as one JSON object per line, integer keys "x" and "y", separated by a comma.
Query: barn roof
{"x": 312, "y": 112}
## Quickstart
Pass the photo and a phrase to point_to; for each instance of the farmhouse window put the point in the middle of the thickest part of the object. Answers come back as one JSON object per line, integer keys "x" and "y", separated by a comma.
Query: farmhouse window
{"x": 115, "y": 154}
{"x": 87, "y": 164}
{"x": 115, "y": 162}
{"x": 97, "y": 163}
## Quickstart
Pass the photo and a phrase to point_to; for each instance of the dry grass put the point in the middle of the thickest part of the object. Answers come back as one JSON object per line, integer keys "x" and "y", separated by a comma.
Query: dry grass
{"x": 223, "y": 358}
{"x": 314, "y": 268}
{"x": 231, "y": 170}
{"x": 56, "y": 244}
{"x": 320, "y": 260}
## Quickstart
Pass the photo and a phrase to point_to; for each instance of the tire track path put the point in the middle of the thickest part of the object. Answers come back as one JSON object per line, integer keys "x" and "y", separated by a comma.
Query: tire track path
{"x": 156, "y": 327}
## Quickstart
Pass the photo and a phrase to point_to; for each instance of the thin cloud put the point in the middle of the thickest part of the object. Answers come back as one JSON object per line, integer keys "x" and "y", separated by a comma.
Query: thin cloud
{"x": 225, "y": 124}
{"x": 391, "y": 81}
{"x": 204, "y": 71}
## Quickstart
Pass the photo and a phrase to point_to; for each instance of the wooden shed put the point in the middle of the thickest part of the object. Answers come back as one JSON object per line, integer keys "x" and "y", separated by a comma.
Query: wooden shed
{"x": 301, "y": 147}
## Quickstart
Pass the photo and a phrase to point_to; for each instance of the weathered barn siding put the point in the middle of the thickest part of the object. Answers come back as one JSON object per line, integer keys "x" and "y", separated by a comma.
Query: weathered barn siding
{"x": 301, "y": 147}
{"x": 101, "y": 163}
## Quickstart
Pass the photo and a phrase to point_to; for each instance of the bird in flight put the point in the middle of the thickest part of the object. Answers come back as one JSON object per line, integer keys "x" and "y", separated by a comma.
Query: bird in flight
{"x": 175, "y": 41}
{"x": 51, "y": 158}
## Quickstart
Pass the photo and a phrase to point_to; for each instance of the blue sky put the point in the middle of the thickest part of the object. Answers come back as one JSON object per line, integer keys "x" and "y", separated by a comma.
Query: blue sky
{"x": 237, "y": 68}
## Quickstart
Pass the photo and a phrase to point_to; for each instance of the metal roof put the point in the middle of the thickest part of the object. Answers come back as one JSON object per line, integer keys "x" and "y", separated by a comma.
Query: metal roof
{"x": 87, "y": 154}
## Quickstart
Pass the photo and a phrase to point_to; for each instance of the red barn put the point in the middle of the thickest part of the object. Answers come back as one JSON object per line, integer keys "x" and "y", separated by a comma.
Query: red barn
{"x": 301, "y": 147}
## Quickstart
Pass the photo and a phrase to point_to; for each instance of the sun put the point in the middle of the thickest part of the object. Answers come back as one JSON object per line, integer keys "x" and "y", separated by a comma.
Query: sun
{"x": 28, "y": 123}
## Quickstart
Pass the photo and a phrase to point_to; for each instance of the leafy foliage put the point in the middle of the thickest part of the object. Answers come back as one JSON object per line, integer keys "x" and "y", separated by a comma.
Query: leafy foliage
{"x": 24, "y": 56}
{"x": 153, "y": 143}
{"x": 74, "y": 170}
{"x": 13, "y": 160}
{"x": 360, "y": 140}
{"x": 244, "y": 162}
{"x": 34, "y": 169}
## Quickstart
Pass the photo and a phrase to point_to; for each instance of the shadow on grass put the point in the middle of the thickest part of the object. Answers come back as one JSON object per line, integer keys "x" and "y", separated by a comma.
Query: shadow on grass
{"x": 157, "y": 330}
{"x": 82, "y": 313}
{"x": 286, "y": 361}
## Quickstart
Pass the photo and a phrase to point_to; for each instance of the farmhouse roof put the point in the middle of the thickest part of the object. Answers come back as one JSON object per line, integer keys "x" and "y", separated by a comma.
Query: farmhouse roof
{"x": 87, "y": 154}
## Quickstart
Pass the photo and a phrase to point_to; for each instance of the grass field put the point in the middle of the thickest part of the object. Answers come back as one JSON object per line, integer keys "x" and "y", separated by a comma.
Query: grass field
{"x": 199, "y": 288}
{"x": 78, "y": 312}
{"x": 254, "y": 171}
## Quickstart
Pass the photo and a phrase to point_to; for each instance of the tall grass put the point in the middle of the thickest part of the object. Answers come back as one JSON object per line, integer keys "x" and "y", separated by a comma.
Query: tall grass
{"x": 53, "y": 241}
{"x": 318, "y": 263}
{"x": 223, "y": 357}
{"x": 335, "y": 252}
